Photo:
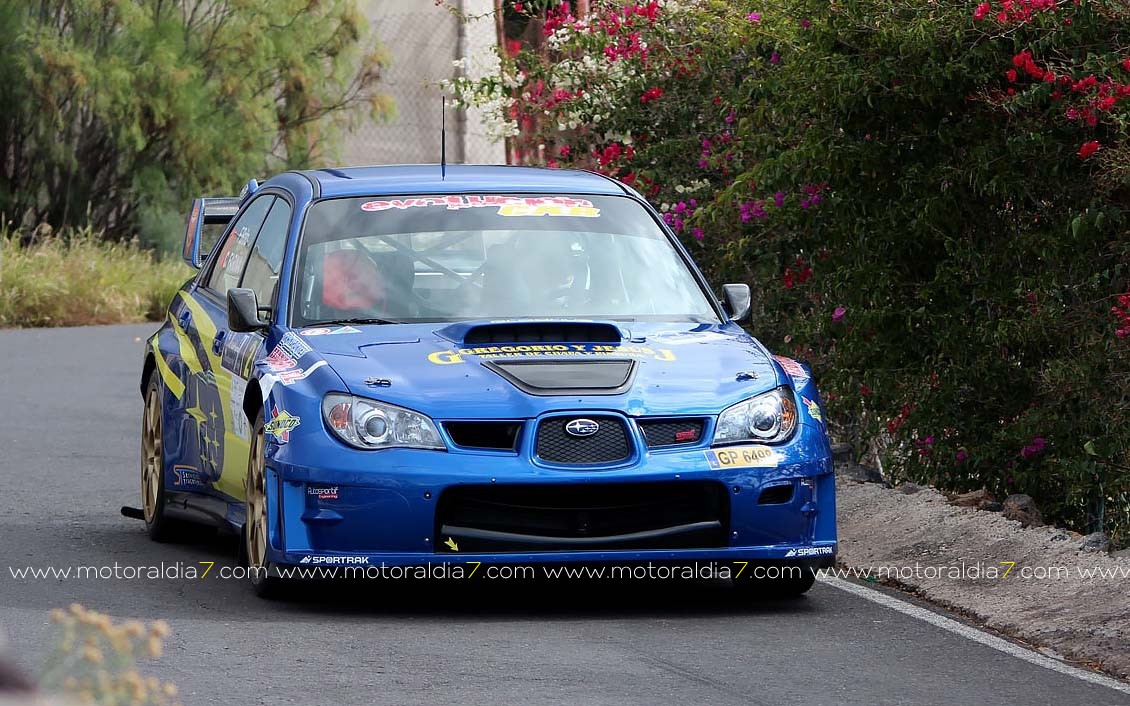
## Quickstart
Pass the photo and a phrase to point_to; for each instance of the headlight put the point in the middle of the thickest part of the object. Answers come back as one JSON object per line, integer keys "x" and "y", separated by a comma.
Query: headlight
{"x": 768, "y": 417}
{"x": 368, "y": 424}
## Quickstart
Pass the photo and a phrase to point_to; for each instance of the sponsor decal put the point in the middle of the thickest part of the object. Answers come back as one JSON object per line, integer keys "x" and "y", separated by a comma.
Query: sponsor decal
{"x": 561, "y": 350}
{"x": 293, "y": 345}
{"x": 794, "y": 369}
{"x": 239, "y": 424}
{"x": 189, "y": 478}
{"x": 742, "y": 457}
{"x": 506, "y": 205}
{"x": 322, "y": 492}
{"x": 329, "y": 331}
{"x": 813, "y": 409}
{"x": 282, "y": 362}
{"x": 289, "y": 377}
{"x": 334, "y": 560}
{"x": 809, "y": 551}
{"x": 281, "y": 424}
{"x": 239, "y": 353}
{"x": 279, "y": 360}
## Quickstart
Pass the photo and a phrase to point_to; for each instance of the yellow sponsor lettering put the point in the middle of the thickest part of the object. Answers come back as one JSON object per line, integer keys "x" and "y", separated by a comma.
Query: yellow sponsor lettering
{"x": 445, "y": 357}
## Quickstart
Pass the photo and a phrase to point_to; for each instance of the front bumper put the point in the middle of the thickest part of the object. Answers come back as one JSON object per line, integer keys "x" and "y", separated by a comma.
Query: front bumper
{"x": 344, "y": 507}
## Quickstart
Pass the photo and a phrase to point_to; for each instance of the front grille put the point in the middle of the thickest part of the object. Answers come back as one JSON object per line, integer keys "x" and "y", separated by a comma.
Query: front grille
{"x": 590, "y": 516}
{"x": 608, "y": 445}
{"x": 671, "y": 432}
{"x": 499, "y": 436}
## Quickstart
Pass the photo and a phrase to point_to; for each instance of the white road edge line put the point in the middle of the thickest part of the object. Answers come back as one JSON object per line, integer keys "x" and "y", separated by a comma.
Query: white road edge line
{"x": 971, "y": 633}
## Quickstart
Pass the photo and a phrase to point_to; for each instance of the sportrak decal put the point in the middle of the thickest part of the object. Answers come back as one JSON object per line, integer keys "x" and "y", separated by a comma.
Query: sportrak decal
{"x": 809, "y": 551}
{"x": 742, "y": 457}
{"x": 506, "y": 205}
{"x": 451, "y": 357}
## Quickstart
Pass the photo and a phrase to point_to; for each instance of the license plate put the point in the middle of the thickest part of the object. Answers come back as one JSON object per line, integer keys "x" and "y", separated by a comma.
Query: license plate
{"x": 742, "y": 457}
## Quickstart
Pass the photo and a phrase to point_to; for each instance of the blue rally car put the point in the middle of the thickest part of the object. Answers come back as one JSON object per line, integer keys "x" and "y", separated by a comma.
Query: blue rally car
{"x": 400, "y": 367}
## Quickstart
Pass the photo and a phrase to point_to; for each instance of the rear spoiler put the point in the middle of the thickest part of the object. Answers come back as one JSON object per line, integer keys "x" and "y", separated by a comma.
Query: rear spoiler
{"x": 217, "y": 210}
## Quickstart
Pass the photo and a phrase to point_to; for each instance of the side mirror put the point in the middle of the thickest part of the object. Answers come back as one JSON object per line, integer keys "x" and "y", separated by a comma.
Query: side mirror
{"x": 192, "y": 255}
{"x": 737, "y": 299}
{"x": 243, "y": 311}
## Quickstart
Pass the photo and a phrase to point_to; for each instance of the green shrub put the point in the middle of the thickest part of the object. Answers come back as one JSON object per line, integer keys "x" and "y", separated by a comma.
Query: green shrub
{"x": 82, "y": 280}
{"x": 930, "y": 216}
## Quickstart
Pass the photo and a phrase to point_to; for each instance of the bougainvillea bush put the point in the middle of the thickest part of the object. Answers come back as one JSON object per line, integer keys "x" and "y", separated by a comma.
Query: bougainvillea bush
{"x": 928, "y": 198}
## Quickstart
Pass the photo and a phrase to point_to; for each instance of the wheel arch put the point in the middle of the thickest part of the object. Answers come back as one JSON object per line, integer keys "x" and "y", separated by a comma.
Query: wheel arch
{"x": 147, "y": 370}
{"x": 252, "y": 400}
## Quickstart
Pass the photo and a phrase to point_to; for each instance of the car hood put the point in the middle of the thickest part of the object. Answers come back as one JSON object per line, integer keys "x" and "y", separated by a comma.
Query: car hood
{"x": 449, "y": 372}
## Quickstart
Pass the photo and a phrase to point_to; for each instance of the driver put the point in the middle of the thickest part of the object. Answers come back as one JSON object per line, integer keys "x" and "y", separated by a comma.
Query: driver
{"x": 351, "y": 284}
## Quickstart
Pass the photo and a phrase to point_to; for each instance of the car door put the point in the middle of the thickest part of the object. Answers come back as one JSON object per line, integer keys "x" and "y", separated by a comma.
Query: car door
{"x": 220, "y": 439}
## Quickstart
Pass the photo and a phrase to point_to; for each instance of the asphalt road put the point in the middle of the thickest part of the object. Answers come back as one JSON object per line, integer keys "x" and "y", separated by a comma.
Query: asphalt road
{"x": 69, "y": 421}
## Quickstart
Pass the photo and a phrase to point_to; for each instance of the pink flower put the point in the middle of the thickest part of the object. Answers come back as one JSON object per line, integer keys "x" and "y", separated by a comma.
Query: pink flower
{"x": 775, "y": 58}
{"x": 753, "y": 17}
{"x": 838, "y": 314}
{"x": 1034, "y": 449}
{"x": 697, "y": 233}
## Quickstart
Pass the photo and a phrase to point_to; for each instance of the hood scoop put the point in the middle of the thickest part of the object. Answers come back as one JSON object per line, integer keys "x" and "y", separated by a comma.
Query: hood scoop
{"x": 566, "y": 377}
{"x": 472, "y": 333}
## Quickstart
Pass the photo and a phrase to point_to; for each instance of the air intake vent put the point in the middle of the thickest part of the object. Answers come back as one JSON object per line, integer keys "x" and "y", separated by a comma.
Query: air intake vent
{"x": 588, "y": 516}
{"x": 776, "y": 495}
{"x": 543, "y": 332}
{"x": 607, "y": 444}
{"x": 497, "y": 436}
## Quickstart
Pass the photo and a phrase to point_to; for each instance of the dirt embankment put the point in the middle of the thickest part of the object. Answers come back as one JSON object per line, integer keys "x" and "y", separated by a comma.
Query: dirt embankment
{"x": 1040, "y": 584}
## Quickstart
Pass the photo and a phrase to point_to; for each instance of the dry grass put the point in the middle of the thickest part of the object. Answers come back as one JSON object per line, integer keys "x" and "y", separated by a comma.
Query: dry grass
{"x": 81, "y": 280}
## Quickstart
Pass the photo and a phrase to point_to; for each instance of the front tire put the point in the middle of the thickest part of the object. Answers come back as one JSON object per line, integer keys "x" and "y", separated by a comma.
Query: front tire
{"x": 157, "y": 523}
{"x": 263, "y": 575}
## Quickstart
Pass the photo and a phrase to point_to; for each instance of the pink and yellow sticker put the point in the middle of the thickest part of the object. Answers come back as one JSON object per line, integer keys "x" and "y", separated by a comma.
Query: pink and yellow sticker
{"x": 506, "y": 205}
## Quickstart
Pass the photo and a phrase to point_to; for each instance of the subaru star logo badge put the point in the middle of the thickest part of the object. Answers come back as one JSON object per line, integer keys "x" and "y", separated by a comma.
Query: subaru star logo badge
{"x": 581, "y": 427}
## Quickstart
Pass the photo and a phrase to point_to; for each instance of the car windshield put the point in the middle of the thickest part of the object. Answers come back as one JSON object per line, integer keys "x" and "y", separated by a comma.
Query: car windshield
{"x": 448, "y": 258}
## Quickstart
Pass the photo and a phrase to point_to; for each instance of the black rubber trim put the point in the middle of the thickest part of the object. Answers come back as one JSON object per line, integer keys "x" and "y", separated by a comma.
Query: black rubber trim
{"x": 472, "y": 533}
{"x": 315, "y": 185}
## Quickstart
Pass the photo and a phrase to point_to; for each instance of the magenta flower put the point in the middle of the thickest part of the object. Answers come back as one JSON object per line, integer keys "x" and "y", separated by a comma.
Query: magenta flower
{"x": 1035, "y": 448}
{"x": 805, "y": 23}
{"x": 779, "y": 199}
{"x": 753, "y": 17}
{"x": 697, "y": 233}
{"x": 775, "y": 58}
{"x": 838, "y": 314}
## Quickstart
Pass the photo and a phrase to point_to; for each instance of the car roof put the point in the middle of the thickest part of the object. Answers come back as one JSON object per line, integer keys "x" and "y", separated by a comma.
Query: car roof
{"x": 459, "y": 178}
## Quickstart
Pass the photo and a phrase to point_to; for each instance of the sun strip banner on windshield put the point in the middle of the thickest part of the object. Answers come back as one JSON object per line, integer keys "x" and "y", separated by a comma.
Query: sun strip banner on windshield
{"x": 506, "y": 205}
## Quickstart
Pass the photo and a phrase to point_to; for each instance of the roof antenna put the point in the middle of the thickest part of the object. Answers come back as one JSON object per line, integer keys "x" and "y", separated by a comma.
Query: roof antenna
{"x": 443, "y": 140}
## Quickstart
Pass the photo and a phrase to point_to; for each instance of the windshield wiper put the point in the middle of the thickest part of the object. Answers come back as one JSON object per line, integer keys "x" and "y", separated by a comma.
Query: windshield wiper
{"x": 360, "y": 321}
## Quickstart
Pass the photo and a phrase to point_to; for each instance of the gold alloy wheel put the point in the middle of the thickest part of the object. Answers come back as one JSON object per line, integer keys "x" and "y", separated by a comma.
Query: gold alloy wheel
{"x": 152, "y": 454}
{"x": 256, "y": 503}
